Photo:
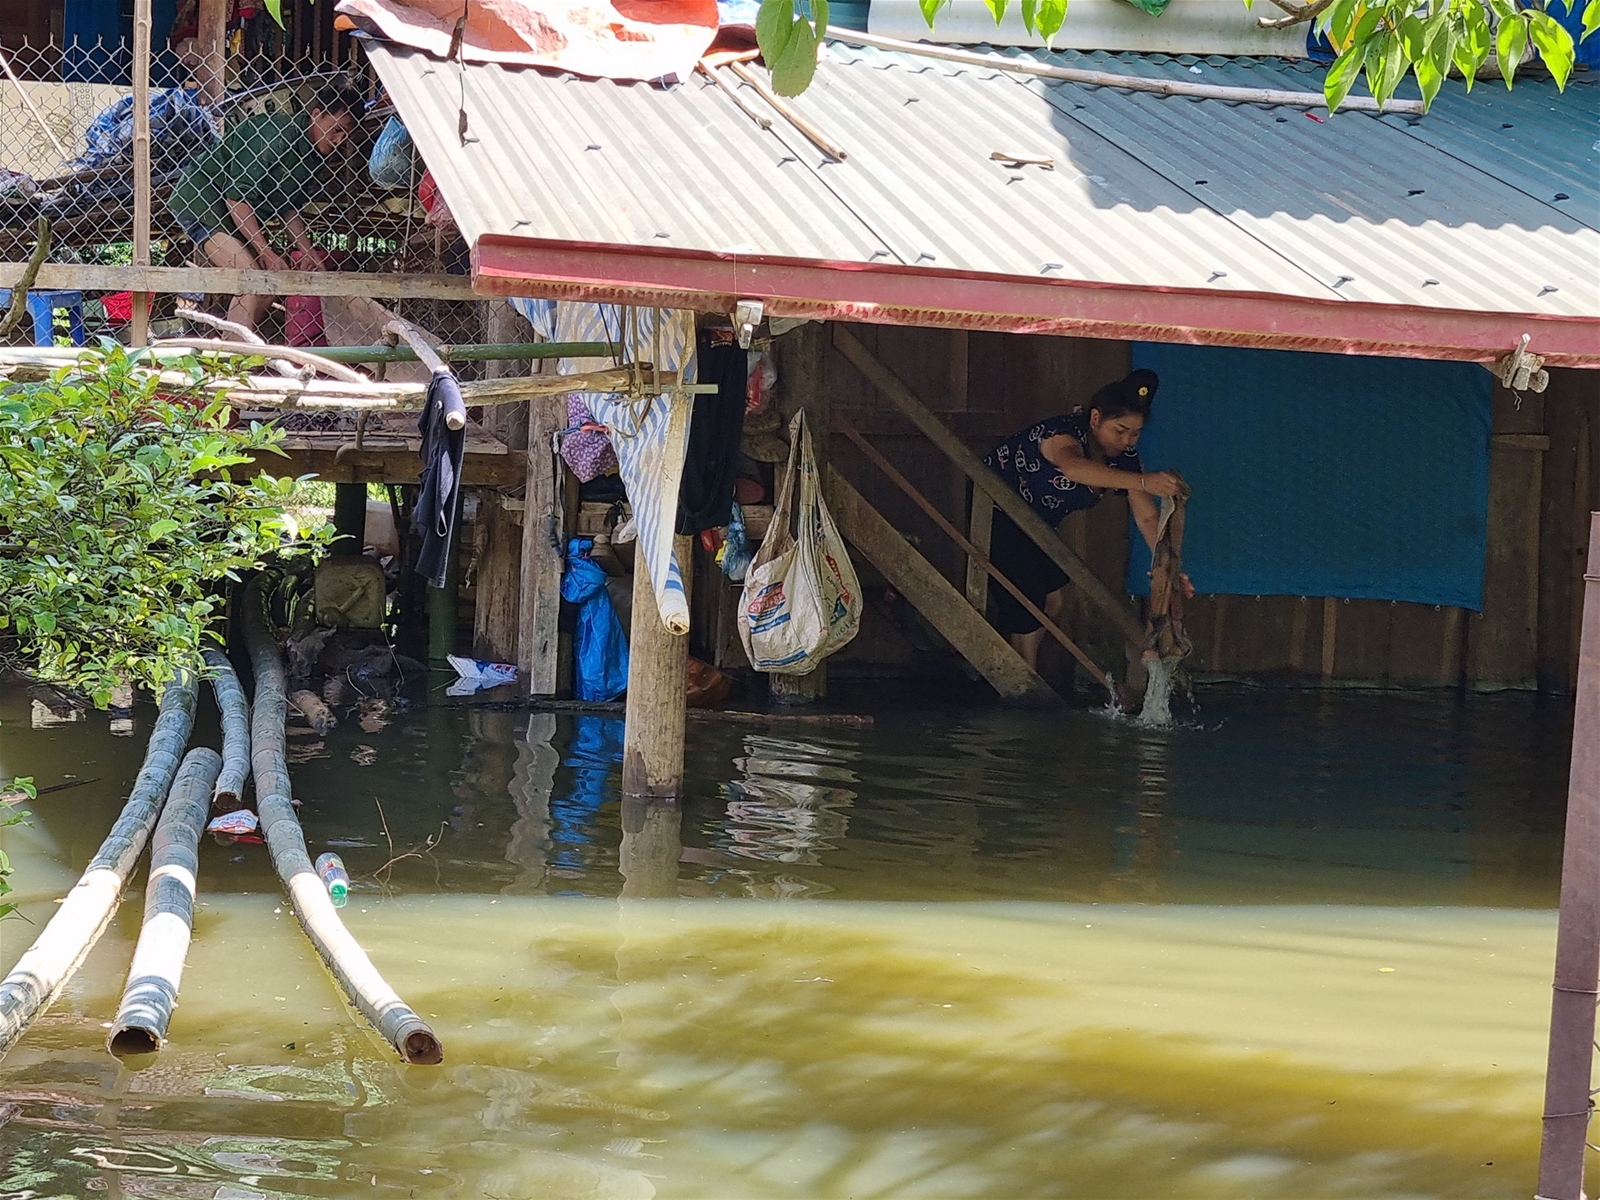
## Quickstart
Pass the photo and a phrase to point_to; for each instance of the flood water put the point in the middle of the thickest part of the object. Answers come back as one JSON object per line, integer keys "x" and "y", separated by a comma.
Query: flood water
{"x": 1301, "y": 949}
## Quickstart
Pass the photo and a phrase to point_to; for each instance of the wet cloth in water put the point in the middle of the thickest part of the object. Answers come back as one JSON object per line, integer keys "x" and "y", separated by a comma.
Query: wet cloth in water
{"x": 442, "y": 451}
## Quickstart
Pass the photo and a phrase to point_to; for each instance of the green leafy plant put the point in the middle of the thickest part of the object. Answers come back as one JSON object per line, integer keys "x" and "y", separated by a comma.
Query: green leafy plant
{"x": 1385, "y": 40}
{"x": 20, "y": 788}
{"x": 120, "y": 511}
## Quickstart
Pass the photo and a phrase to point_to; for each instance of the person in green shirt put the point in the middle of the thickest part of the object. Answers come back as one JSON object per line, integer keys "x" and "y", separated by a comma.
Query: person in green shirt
{"x": 261, "y": 169}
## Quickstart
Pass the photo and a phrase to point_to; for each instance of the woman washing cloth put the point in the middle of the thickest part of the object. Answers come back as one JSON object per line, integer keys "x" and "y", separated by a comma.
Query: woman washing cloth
{"x": 1062, "y": 465}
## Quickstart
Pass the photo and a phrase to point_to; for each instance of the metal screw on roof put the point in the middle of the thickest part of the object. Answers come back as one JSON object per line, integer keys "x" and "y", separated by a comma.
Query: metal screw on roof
{"x": 1548, "y": 288}
{"x": 592, "y": 146}
{"x": 879, "y": 254}
{"x": 520, "y": 221}
{"x": 1344, "y": 279}
{"x": 1561, "y": 196}
{"x": 1201, "y": 182}
{"x": 1216, "y": 275}
{"x": 927, "y": 255}
{"x": 912, "y": 100}
{"x": 661, "y": 233}
{"x": 1415, "y": 191}
{"x": 1430, "y": 283}
{"x": 1043, "y": 267}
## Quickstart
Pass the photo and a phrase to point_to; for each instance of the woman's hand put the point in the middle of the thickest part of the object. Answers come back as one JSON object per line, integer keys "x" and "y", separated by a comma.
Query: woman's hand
{"x": 1163, "y": 483}
{"x": 271, "y": 260}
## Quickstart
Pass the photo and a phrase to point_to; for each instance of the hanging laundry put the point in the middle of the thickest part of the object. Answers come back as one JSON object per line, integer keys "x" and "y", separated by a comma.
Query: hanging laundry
{"x": 650, "y": 435}
{"x": 586, "y": 445}
{"x": 716, "y": 431}
{"x": 442, "y": 450}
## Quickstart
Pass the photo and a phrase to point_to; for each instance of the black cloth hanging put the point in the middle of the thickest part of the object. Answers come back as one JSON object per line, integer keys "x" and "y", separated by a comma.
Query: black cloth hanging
{"x": 442, "y": 448}
{"x": 705, "y": 498}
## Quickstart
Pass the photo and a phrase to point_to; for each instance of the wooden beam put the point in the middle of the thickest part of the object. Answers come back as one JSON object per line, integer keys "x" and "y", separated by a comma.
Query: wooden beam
{"x": 390, "y": 466}
{"x": 903, "y": 398}
{"x": 933, "y": 596}
{"x": 91, "y": 277}
{"x": 211, "y": 42}
{"x": 981, "y": 558}
{"x": 539, "y": 593}
{"x": 981, "y": 526}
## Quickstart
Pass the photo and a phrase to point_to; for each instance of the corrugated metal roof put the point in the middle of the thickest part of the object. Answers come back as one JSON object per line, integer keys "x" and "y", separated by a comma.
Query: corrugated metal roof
{"x": 1457, "y": 210}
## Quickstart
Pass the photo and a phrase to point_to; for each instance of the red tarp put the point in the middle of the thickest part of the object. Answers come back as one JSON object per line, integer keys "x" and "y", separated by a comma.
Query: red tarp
{"x": 620, "y": 39}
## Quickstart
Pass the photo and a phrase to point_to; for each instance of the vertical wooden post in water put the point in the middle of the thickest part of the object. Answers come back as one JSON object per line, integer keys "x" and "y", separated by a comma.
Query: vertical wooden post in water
{"x": 1567, "y": 1104}
{"x": 658, "y": 669}
{"x": 539, "y": 601}
{"x": 140, "y": 332}
{"x": 801, "y": 363}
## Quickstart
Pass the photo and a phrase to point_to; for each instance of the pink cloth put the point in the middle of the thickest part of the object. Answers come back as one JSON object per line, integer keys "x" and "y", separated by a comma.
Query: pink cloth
{"x": 604, "y": 39}
{"x": 588, "y": 454}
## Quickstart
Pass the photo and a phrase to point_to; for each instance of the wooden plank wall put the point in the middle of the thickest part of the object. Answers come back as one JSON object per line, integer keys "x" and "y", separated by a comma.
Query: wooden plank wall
{"x": 1544, "y": 479}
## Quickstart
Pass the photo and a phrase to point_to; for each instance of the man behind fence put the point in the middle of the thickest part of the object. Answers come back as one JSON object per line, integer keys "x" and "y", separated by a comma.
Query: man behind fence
{"x": 262, "y": 169}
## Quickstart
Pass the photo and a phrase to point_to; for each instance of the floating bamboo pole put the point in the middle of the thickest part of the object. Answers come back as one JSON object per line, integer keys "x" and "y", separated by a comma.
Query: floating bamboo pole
{"x": 65, "y": 942}
{"x": 402, "y": 1028}
{"x": 153, "y": 977}
{"x": 235, "y": 729}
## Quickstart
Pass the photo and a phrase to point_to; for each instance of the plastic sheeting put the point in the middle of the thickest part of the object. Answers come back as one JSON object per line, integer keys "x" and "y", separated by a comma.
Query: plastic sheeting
{"x": 1323, "y": 474}
{"x": 624, "y": 39}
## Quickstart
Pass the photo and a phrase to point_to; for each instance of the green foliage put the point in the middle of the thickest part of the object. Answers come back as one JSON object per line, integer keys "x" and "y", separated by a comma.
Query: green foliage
{"x": 1384, "y": 40}
{"x": 789, "y": 41}
{"x": 119, "y": 511}
{"x": 21, "y": 788}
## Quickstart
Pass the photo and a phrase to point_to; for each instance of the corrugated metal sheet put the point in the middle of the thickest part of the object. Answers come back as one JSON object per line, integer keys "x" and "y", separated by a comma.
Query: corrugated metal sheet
{"x": 1457, "y": 210}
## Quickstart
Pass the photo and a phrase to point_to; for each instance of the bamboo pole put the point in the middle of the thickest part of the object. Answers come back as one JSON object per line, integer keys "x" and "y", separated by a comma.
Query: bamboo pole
{"x": 1127, "y": 83}
{"x": 971, "y": 551}
{"x": 235, "y": 729}
{"x": 260, "y": 349}
{"x": 402, "y": 1028}
{"x": 151, "y": 993}
{"x": 810, "y": 131}
{"x": 140, "y": 331}
{"x": 65, "y": 942}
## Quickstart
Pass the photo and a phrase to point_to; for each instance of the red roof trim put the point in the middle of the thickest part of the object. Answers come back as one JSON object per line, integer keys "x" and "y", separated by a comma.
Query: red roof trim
{"x": 896, "y": 295}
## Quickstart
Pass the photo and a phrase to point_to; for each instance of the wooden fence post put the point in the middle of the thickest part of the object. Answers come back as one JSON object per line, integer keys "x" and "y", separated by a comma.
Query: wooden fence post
{"x": 1567, "y": 1104}
{"x": 539, "y": 595}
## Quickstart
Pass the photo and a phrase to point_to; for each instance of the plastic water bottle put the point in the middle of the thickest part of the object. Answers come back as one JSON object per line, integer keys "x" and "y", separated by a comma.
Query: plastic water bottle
{"x": 331, "y": 868}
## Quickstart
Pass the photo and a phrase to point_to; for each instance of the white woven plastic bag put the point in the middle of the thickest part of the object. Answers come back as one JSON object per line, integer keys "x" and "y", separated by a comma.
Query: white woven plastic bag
{"x": 801, "y": 599}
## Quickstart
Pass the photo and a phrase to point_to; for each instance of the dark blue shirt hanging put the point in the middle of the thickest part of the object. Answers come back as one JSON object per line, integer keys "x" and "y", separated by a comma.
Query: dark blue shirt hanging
{"x": 442, "y": 449}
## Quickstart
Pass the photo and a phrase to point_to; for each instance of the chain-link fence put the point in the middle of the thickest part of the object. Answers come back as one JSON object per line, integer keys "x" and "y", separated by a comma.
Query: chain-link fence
{"x": 280, "y": 173}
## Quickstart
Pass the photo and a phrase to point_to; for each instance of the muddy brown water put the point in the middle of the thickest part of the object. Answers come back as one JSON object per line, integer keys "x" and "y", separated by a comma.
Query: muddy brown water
{"x": 1300, "y": 949}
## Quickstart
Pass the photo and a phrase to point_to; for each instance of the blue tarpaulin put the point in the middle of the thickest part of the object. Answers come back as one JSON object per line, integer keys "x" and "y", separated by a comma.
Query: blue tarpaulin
{"x": 1323, "y": 474}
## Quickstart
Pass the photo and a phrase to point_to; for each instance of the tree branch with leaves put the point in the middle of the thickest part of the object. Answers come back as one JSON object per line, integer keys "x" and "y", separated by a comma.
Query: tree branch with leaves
{"x": 1381, "y": 40}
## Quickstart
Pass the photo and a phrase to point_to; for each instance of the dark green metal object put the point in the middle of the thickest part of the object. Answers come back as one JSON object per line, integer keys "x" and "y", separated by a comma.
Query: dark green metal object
{"x": 350, "y": 517}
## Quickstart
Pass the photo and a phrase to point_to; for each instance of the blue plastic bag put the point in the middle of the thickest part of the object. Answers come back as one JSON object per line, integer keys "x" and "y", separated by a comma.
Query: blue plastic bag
{"x": 390, "y": 161}
{"x": 602, "y": 649}
{"x": 736, "y": 552}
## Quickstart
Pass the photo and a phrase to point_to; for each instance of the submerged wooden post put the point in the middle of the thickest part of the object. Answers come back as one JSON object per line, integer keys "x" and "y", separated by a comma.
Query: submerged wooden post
{"x": 402, "y": 1028}
{"x": 235, "y": 729}
{"x": 539, "y": 597}
{"x": 658, "y": 678}
{"x": 157, "y": 969}
{"x": 652, "y": 844}
{"x": 65, "y": 942}
{"x": 1567, "y": 1103}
